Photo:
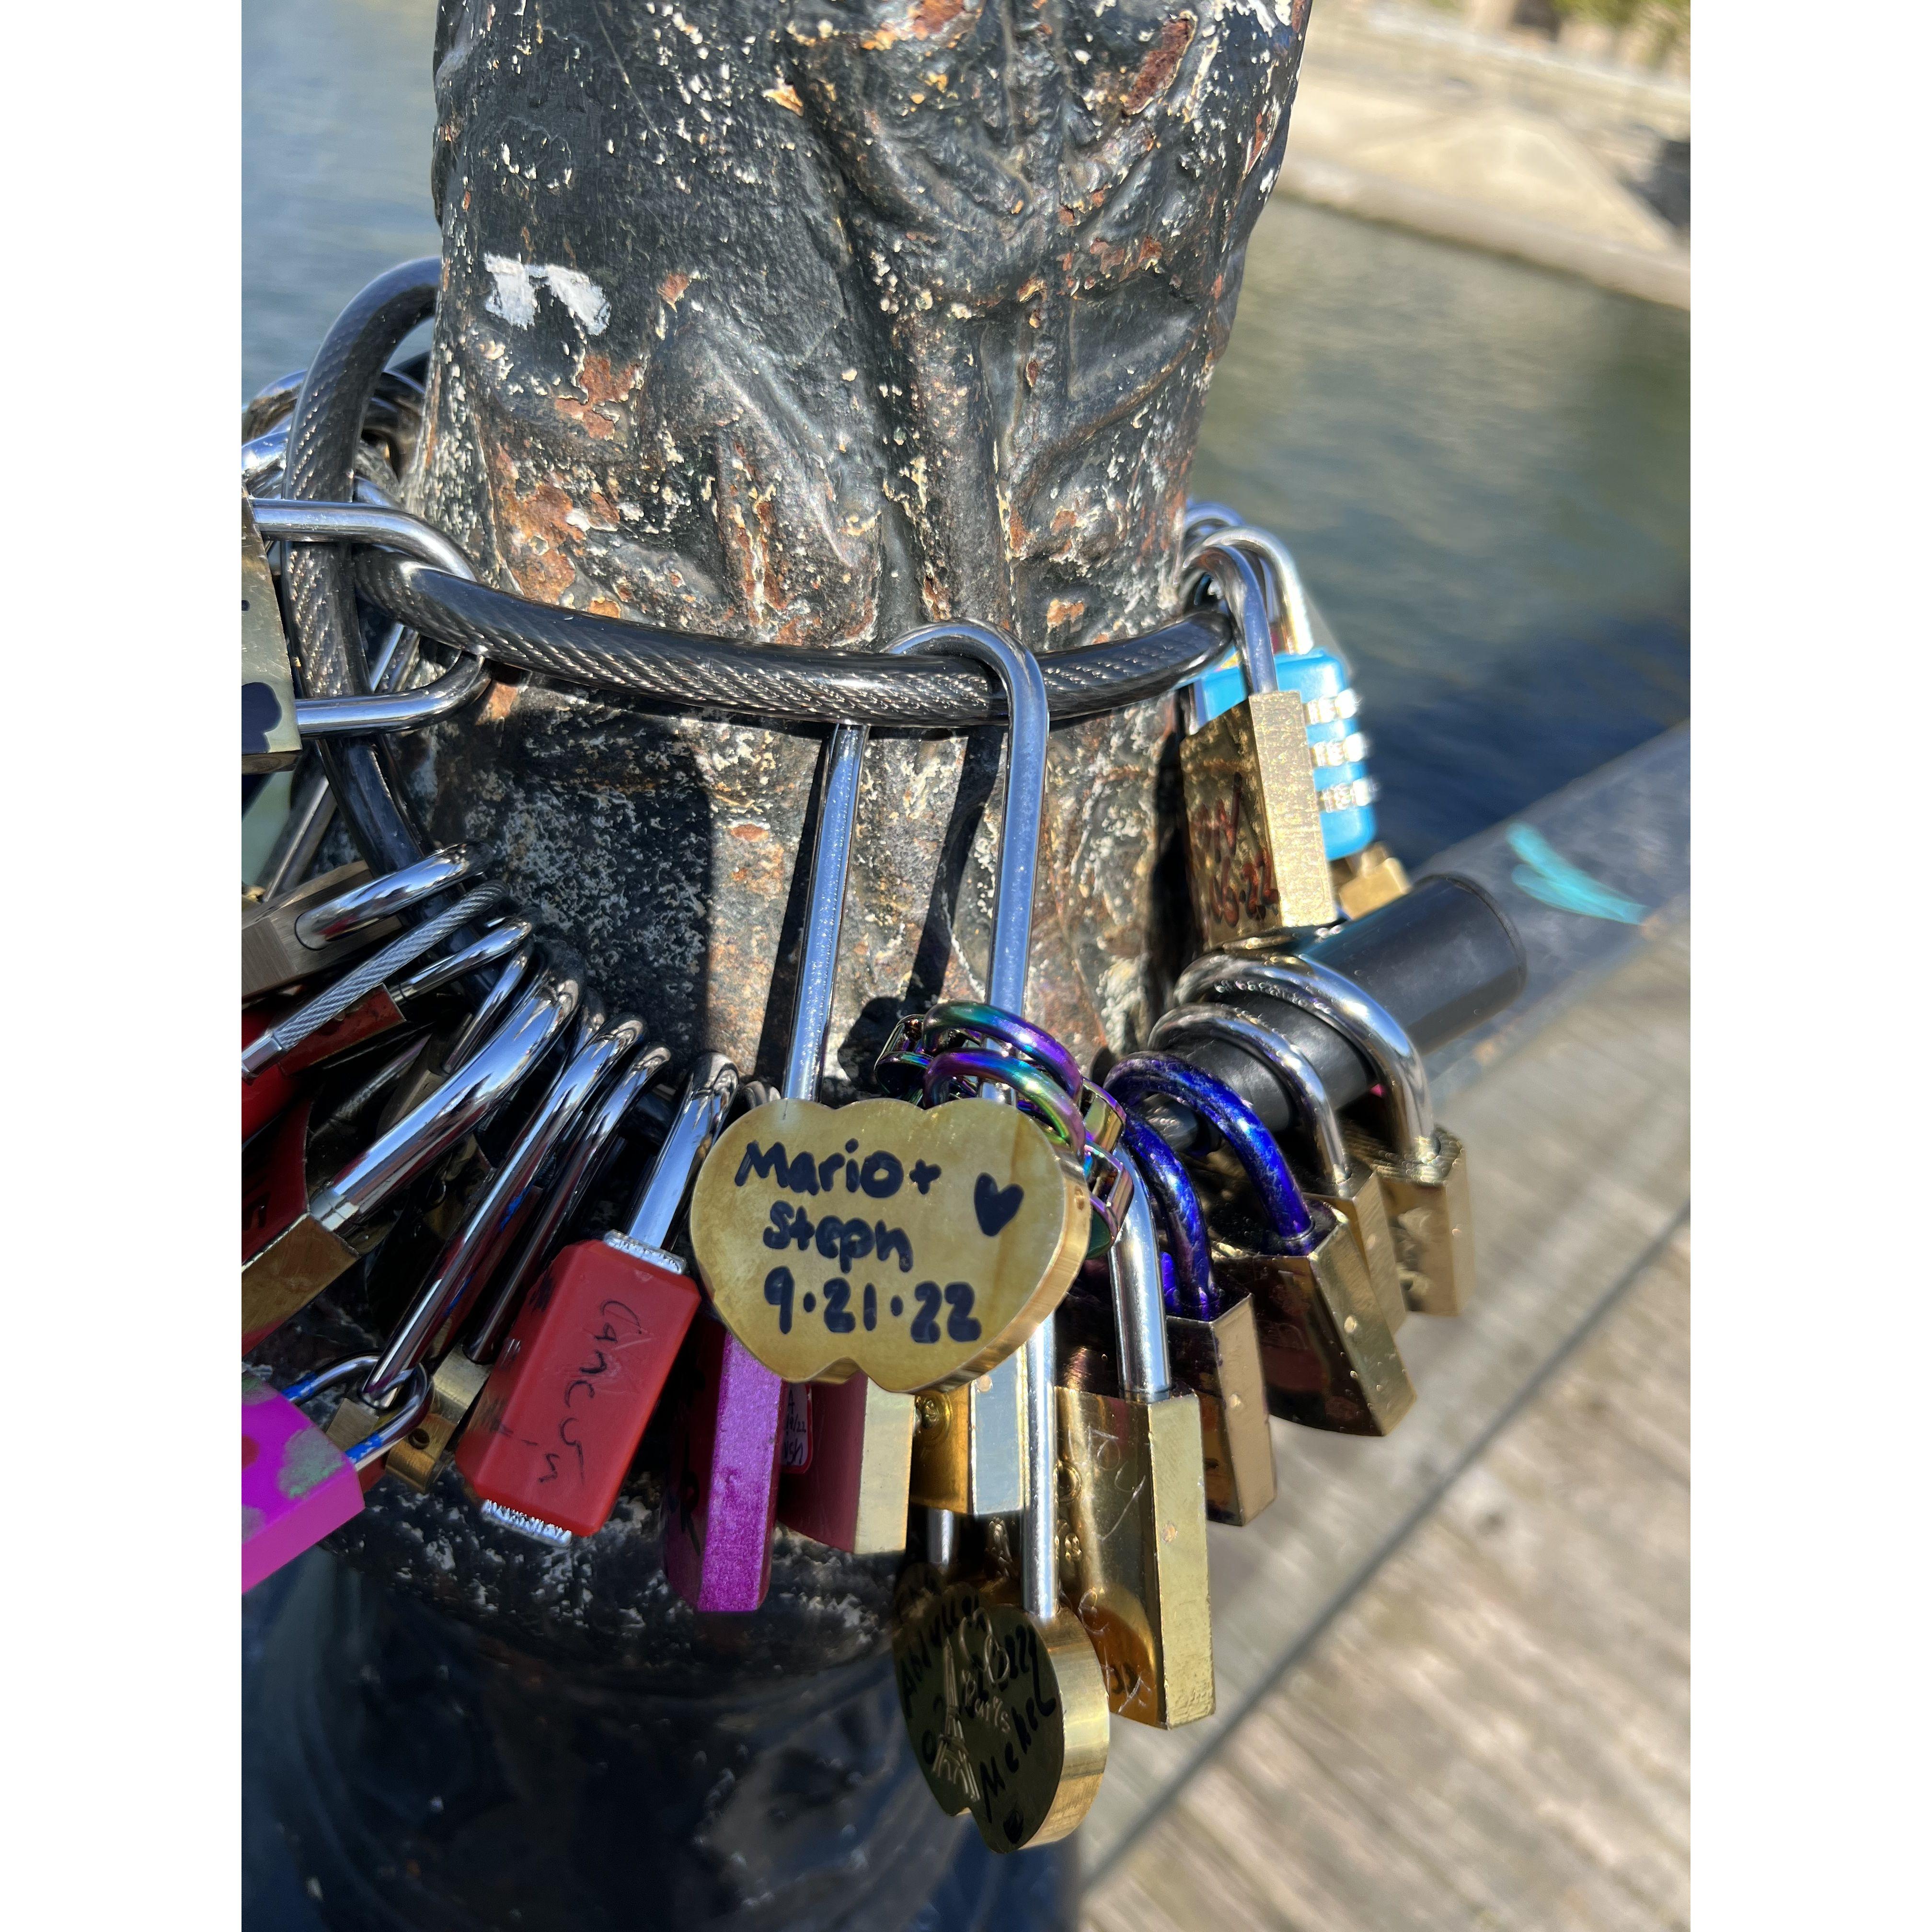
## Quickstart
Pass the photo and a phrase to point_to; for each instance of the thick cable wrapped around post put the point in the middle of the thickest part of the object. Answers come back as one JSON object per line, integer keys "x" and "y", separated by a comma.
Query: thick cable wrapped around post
{"x": 320, "y": 464}
{"x": 798, "y": 684}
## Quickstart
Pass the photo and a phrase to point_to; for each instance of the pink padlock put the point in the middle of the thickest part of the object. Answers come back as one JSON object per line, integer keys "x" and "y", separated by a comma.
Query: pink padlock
{"x": 296, "y": 1485}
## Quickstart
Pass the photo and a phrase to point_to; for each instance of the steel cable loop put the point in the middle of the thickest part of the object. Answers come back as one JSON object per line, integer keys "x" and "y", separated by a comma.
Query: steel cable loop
{"x": 324, "y": 433}
{"x": 802, "y": 685}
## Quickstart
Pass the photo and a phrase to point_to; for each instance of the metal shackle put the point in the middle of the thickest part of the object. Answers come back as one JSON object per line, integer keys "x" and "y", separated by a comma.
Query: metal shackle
{"x": 824, "y": 913}
{"x": 1367, "y": 1025}
{"x": 501, "y": 993}
{"x": 462, "y": 1102}
{"x": 709, "y": 1092}
{"x": 394, "y": 1426}
{"x": 1158, "y": 1169}
{"x": 1280, "y": 579}
{"x": 1140, "y": 1308}
{"x": 1239, "y": 585}
{"x": 1206, "y": 519}
{"x": 1146, "y": 1076}
{"x": 332, "y": 1002}
{"x": 1045, "y": 1098}
{"x": 583, "y": 1158}
{"x": 1300, "y": 1084}
{"x": 1012, "y": 1029}
{"x": 471, "y": 1254}
{"x": 497, "y": 942}
{"x": 288, "y": 521}
{"x": 1026, "y": 723}
{"x": 349, "y": 911}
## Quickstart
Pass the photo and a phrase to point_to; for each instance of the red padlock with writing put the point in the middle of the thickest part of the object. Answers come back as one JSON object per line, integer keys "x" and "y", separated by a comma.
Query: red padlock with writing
{"x": 582, "y": 1369}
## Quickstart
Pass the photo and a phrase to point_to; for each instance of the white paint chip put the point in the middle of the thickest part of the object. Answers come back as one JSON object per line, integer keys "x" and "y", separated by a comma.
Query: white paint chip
{"x": 515, "y": 297}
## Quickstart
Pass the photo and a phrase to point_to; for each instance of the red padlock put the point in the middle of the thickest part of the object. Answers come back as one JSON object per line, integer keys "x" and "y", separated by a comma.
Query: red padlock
{"x": 580, "y": 1372}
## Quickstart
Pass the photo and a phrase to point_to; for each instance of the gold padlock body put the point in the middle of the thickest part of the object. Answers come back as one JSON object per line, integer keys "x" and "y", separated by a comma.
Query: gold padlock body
{"x": 854, "y": 1496}
{"x": 289, "y": 1273}
{"x": 1360, "y": 1205}
{"x": 1372, "y": 877}
{"x": 1327, "y": 1349}
{"x": 1221, "y": 1361}
{"x": 1256, "y": 862}
{"x": 969, "y": 1444}
{"x": 419, "y": 1458}
{"x": 1133, "y": 1549}
{"x": 1428, "y": 1220}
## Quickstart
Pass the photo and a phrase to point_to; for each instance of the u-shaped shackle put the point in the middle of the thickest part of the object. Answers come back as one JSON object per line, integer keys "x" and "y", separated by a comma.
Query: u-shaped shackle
{"x": 1239, "y": 585}
{"x": 1026, "y": 723}
{"x": 1300, "y": 1084}
{"x": 1367, "y": 1025}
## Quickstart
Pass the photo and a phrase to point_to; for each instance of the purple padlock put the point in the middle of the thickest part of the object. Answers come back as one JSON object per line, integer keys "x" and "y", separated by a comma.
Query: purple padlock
{"x": 296, "y": 1485}
{"x": 724, "y": 1482}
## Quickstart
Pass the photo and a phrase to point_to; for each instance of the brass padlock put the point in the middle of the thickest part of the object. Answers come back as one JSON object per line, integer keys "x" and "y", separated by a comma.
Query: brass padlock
{"x": 1133, "y": 1511}
{"x": 1325, "y": 1169}
{"x": 1213, "y": 1345}
{"x": 1257, "y": 860}
{"x": 1004, "y": 1702}
{"x": 1421, "y": 1167}
{"x": 1328, "y": 1351}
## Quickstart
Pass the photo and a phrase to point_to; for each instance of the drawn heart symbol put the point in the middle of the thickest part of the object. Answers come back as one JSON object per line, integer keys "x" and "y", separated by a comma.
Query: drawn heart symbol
{"x": 994, "y": 1205}
{"x": 919, "y": 1245}
{"x": 1007, "y": 1718}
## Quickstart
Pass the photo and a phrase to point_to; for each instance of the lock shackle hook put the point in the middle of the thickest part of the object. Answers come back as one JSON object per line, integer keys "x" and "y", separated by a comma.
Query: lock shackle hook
{"x": 1018, "y": 673}
{"x": 1146, "y": 1076}
{"x": 1239, "y": 587}
{"x": 709, "y": 1092}
{"x": 470, "y": 1256}
{"x": 1281, "y": 581}
{"x": 824, "y": 913}
{"x": 1161, "y": 1175}
{"x": 582, "y": 1160}
{"x": 1140, "y": 1308}
{"x": 1368, "y": 1026}
{"x": 1301, "y": 1086}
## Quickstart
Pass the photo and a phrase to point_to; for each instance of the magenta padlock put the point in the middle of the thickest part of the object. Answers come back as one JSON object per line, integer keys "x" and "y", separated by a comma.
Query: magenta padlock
{"x": 724, "y": 1503}
{"x": 296, "y": 1485}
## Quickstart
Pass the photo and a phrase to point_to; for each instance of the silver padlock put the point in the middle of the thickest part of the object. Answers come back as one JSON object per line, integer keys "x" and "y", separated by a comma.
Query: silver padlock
{"x": 1322, "y": 1163}
{"x": 1421, "y": 1168}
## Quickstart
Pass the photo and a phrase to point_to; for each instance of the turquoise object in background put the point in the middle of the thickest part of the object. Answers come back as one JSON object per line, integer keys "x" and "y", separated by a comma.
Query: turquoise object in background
{"x": 1334, "y": 734}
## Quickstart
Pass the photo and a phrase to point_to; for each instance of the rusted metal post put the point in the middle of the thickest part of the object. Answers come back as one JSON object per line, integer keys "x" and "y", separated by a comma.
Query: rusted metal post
{"x": 802, "y": 323}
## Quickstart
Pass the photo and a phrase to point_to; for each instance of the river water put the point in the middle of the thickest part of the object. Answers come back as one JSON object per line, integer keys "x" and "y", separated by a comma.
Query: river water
{"x": 1483, "y": 469}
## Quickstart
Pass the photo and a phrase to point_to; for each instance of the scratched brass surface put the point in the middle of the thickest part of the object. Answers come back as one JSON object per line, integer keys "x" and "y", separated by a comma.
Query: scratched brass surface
{"x": 1133, "y": 1549}
{"x": 1359, "y": 1204}
{"x": 1221, "y": 1361}
{"x": 1256, "y": 860}
{"x": 1327, "y": 1351}
{"x": 1428, "y": 1218}
{"x": 453, "y": 1390}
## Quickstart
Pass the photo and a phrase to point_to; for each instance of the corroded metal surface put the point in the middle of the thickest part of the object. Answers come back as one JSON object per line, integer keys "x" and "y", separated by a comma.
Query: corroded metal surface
{"x": 809, "y": 324}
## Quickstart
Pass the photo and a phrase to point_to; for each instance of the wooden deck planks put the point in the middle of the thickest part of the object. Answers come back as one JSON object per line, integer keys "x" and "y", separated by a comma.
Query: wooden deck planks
{"x": 1579, "y": 1147}
{"x": 1494, "y": 1733}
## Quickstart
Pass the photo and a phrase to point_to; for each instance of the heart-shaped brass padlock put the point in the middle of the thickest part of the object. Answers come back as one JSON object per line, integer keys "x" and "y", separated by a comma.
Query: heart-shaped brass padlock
{"x": 920, "y": 1245}
{"x": 1008, "y": 1718}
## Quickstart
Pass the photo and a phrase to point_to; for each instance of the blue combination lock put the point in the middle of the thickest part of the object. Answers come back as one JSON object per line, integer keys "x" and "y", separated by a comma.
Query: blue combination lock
{"x": 1343, "y": 788}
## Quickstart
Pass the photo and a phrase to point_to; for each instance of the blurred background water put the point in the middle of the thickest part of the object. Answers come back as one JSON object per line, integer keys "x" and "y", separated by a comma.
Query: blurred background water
{"x": 1483, "y": 468}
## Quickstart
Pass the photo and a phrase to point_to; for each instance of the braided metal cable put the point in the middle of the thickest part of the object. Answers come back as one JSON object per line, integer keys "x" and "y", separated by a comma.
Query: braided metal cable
{"x": 319, "y": 463}
{"x": 799, "y": 686}
{"x": 334, "y": 1001}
